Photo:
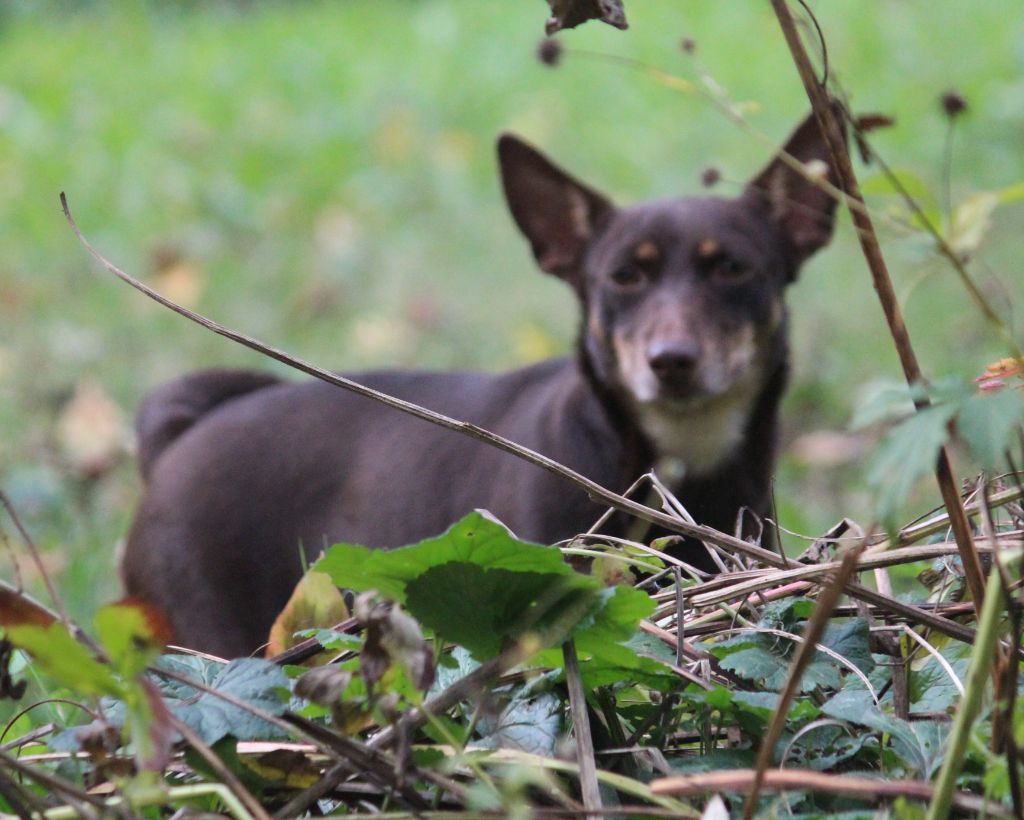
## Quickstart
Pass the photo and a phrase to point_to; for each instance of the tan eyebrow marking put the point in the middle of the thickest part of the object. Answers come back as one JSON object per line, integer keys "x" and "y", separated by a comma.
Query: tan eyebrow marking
{"x": 646, "y": 253}
{"x": 708, "y": 247}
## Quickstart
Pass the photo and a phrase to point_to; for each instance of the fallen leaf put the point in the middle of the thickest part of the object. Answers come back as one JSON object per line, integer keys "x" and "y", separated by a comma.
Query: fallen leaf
{"x": 91, "y": 431}
{"x": 570, "y": 13}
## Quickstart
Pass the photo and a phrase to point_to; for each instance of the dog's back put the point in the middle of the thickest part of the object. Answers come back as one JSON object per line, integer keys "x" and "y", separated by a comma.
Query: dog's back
{"x": 682, "y": 356}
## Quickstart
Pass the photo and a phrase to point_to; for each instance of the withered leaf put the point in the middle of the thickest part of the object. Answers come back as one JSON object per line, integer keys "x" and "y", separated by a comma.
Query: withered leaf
{"x": 570, "y": 13}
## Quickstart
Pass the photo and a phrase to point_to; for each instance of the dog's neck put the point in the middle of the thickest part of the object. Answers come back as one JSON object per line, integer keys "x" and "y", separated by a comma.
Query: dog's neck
{"x": 699, "y": 438}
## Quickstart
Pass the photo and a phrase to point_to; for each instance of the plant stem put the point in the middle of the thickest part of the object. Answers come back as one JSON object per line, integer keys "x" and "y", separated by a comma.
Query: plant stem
{"x": 872, "y": 250}
{"x": 974, "y": 690}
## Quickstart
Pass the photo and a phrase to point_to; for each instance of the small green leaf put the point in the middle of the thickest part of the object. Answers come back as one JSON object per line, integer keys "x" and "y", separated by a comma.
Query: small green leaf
{"x": 132, "y": 635}
{"x": 897, "y": 178}
{"x": 65, "y": 660}
{"x": 987, "y": 423}
{"x": 907, "y": 453}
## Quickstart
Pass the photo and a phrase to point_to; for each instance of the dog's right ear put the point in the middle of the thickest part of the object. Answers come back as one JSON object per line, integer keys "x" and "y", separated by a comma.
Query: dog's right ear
{"x": 558, "y": 214}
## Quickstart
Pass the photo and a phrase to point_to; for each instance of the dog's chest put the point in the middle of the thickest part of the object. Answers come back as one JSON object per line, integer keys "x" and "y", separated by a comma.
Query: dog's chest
{"x": 701, "y": 438}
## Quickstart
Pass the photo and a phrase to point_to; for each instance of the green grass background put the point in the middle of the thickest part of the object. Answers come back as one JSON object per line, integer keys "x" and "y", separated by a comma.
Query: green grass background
{"x": 325, "y": 172}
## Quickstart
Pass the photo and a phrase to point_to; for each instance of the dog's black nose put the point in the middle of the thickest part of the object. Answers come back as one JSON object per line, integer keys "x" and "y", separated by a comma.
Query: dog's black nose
{"x": 673, "y": 362}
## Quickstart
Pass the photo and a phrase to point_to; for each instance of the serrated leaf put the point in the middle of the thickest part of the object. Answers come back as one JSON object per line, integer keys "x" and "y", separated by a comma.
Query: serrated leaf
{"x": 65, "y": 660}
{"x": 907, "y": 453}
{"x": 930, "y": 687}
{"x": 757, "y": 664}
{"x": 852, "y": 640}
{"x": 987, "y": 423}
{"x": 882, "y": 401}
{"x": 257, "y": 682}
{"x": 913, "y": 742}
{"x": 531, "y": 724}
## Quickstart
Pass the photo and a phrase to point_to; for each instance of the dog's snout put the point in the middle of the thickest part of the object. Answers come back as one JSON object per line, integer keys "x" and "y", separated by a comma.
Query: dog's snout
{"x": 673, "y": 362}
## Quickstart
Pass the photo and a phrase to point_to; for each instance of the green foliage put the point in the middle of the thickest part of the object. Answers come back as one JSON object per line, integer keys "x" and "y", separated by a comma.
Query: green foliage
{"x": 987, "y": 423}
{"x": 482, "y": 588}
{"x": 256, "y": 682}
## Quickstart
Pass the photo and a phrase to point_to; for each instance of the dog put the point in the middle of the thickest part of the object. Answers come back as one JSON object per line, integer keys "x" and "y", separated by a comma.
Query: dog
{"x": 681, "y": 359}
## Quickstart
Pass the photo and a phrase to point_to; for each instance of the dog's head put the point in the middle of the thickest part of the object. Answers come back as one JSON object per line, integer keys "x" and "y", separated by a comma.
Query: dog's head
{"x": 682, "y": 298}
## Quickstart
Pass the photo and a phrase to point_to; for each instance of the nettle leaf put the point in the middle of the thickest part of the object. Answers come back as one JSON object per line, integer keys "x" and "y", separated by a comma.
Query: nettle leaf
{"x": 757, "y": 664}
{"x": 907, "y": 453}
{"x": 986, "y": 422}
{"x": 882, "y": 401}
{"x": 482, "y": 588}
{"x": 824, "y": 747}
{"x": 257, "y": 682}
{"x": 786, "y": 614}
{"x": 931, "y": 689}
{"x": 529, "y": 724}
{"x": 917, "y": 744}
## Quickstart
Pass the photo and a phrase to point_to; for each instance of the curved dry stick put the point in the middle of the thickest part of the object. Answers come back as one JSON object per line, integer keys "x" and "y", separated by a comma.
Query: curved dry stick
{"x": 593, "y": 489}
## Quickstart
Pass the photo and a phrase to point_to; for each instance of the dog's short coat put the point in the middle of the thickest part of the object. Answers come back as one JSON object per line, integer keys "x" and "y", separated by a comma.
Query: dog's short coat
{"x": 681, "y": 355}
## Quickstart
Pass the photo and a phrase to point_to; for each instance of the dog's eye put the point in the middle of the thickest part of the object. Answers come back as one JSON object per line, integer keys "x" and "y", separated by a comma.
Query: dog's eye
{"x": 629, "y": 276}
{"x": 729, "y": 268}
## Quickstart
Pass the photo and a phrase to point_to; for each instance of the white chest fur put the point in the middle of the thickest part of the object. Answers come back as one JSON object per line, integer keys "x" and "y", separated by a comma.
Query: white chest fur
{"x": 700, "y": 435}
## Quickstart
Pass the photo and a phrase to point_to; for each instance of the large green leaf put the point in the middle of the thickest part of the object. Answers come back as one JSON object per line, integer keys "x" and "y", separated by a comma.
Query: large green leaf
{"x": 476, "y": 539}
{"x": 480, "y": 587}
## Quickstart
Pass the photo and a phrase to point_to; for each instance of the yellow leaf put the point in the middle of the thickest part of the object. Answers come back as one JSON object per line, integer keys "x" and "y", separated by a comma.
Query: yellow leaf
{"x": 316, "y": 602}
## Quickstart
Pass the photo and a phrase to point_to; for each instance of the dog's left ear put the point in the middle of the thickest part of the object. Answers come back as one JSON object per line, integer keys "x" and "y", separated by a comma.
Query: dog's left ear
{"x": 801, "y": 208}
{"x": 557, "y": 213}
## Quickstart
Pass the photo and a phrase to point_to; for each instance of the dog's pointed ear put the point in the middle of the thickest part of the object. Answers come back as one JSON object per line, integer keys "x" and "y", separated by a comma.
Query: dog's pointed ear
{"x": 558, "y": 214}
{"x": 804, "y": 211}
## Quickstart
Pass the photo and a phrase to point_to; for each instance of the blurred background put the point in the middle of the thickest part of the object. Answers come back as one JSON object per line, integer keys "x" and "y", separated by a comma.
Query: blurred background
{"x": 321, "y": 176}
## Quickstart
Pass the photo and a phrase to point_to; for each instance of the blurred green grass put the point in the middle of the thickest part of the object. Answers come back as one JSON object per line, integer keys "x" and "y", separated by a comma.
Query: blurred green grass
{"x": 321, "y": 175}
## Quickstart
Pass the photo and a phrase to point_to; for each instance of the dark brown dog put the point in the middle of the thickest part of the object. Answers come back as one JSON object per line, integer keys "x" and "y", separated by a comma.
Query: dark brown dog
{"x": 682, "y": 356}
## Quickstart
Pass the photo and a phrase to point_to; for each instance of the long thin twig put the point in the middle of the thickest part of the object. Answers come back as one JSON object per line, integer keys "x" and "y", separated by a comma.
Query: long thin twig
{"x": 872, "y": 250}
{"x": 30, "y": 545}
{"x": 872, "y": 789}
{"x": 589, "y": 787}
{"x": 594, "y": 490}
{"x": 224, "y": 774}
